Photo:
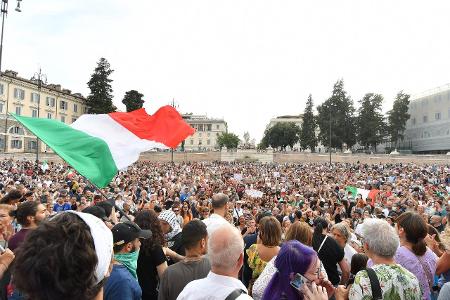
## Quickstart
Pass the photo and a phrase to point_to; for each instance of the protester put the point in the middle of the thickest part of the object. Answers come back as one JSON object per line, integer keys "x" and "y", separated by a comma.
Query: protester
{"x": 413, "y": 253}
{"x": 172, "y": 235}
{"x": 62, "y": 203}
{"x": 6, "y": 226}
{"x": 380, "y": 245}
{"x": 293, "y": 258}
{"x": 11, "y": 198}
{"x": 28, "y": 214}
{"x": 301, "y": 232}
{"x": 84, "y": 245}
{"x": 152, "y": 261}
{"x": 267, "y": 247}
{"x": 194, "y": 266}
{"x": 342, "y": 235}
{"x": 330, "y": 253}
{"x": 226, "y": 257}
{"x": 220, "y": 205}
{"x": 122, "y": 283}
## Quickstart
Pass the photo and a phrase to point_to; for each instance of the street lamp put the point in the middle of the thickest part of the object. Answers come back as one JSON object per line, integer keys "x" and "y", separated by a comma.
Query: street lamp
{"x": 40, "y": 79}
{"x": 4, "y": 13}
{"x": 329, "y": 138}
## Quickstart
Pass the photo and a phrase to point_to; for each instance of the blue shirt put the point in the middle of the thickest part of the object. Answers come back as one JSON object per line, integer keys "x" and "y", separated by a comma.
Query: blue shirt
{"x": 61, "y": 207}
{"x": 121, "y": 285}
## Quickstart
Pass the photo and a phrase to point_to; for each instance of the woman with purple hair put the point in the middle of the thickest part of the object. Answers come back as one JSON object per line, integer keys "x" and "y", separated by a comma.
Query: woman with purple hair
{"x": 293, "y": 258}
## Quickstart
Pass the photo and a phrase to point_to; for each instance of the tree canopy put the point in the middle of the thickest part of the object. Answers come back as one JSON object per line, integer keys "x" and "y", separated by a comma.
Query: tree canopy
{"x": 100, "y": 98}
{"x": 337, "y": 111}
{"x": 133, "y": 100}
{"x": 281, "y": 135}
{"x": 370, "y": 121}
{"x": 229, "y": 140}
{"x": 308, "y": 137}
{"x": 398, "y": 116}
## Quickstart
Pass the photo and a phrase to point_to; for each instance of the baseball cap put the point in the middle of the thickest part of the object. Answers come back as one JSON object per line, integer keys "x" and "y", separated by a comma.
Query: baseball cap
{"x": 97, "y": 211}
{"x": 126, "y": 232}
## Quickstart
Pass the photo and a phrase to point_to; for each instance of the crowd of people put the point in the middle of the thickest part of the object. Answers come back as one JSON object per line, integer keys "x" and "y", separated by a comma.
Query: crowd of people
{"x": 219, "y": 230}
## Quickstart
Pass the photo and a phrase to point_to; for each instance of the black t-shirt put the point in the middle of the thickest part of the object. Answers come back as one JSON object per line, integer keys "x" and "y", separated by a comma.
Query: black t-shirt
{"x": 177, "y": 247}
{"x": 147, "y": 273}
{"x": 330, "y": 254}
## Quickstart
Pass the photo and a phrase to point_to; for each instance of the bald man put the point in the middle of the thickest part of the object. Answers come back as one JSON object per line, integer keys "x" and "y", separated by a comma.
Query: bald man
{"x": 226, "y": 255}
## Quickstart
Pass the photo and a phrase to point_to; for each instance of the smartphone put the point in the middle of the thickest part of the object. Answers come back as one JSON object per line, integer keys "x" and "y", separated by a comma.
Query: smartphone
{"x": 298, "y": 281}
{"x": 2, "y": 250}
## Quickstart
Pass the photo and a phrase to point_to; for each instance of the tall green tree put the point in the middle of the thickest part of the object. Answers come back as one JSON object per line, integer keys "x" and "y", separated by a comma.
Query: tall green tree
{"x": 133, "y": 100}
{"x": 337, "y": 111}
{"x": 308, "y": 137}
{"x": 229, "y": 140}
{"x": 281, "y": 135}
{"x": 99, "y": 100}
{"x": 370, "y": 122}
{"x": 397, "y": 117}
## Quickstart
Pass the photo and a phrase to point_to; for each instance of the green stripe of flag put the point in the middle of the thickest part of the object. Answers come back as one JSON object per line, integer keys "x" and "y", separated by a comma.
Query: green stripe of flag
{"x": 89, "y": 155}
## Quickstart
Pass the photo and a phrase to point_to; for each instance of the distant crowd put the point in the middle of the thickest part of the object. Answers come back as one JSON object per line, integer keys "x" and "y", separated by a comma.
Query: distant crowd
{"x": 216, "y": 230}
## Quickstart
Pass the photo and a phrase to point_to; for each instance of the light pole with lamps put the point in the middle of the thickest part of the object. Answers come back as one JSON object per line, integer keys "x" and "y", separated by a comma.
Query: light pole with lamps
{"x": 41, "y": 79}
{"x": 4, "y": 13}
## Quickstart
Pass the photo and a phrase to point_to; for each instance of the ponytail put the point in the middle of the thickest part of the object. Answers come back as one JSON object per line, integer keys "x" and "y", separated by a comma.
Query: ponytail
{"x": 419, "y": 248}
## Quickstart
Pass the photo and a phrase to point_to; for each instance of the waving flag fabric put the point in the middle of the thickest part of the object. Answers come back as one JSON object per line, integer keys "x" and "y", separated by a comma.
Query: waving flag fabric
{"x": 97, "y": 146}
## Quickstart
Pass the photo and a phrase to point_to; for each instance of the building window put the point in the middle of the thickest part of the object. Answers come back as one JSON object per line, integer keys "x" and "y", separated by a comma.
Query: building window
{"x": 200, "y": 142}
{"x": 199, "y": 134}
{"x": 32, "y": 145}
{"x": 209, "y": 134}
{"x": 425, "y": 119}
{"x": 34, "y": 113}
{"x": 2, "y": 104}
{"x": 63, "y": 119}
{"x": 413, "y": 121}
{"x": 74, "y": 119}
{"x": 75, "y": 107}
{"x": 18, "y": 110}
{"x": 50, "y": 101}
{"x": 49, "y": 116}
{"x": 16, "y": 144}
{"x": 16, "y": 130}
{"x": 85, "y": 109}
{"x": 1, "y": 89}
{"x": 208, "y": 142}
{"x": 208, "y": 127}
{"x": 63, "y": 104}
{"x": 192, "y": 142}
{"x": 35, "y": 98}
{"x": 217, "y": 126}
{"x": 19, "y": 94}
{"x": 437, "y": 116}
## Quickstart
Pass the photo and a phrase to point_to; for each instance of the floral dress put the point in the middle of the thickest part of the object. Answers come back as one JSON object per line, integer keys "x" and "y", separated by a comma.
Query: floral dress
{"x": 255, "y": 262}
{"x": 396, "y": 283}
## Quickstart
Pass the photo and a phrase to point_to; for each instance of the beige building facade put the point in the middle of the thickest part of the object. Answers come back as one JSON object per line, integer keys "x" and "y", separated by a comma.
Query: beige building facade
{"x": 206, "y": 132}
{"x": 24, "y": 97}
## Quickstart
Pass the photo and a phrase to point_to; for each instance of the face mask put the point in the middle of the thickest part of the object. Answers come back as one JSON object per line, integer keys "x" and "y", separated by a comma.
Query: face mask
{"x": 129, "y": 260}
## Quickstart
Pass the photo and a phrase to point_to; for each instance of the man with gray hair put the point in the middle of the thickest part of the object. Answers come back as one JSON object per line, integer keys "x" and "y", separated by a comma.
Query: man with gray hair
{"x": 220, "y": 205}
{"x": 226, "y": 255}
{"x": 385, "y": 279}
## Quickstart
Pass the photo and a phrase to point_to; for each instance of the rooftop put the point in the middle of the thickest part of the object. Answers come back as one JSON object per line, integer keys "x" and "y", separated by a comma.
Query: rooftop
{"x": 50, "y": 86}
{"x": 433, "y": 91}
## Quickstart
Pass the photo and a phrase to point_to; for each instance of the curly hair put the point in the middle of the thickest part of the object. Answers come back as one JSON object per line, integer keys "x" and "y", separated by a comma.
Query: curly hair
{"x": 57, "y": 260}
{"x": 147, "y": 219}
{"x": 23, "y": 211}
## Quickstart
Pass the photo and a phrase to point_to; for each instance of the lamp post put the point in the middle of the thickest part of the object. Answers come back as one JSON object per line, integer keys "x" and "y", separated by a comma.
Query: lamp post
{"x": 329, "y": 138}
{"x": 41, "y": 79}
{"x": 4, "y": 13}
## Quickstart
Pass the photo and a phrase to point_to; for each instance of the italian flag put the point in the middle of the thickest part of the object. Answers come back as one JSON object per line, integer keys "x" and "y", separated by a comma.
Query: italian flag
{"x": 98, "y": 146}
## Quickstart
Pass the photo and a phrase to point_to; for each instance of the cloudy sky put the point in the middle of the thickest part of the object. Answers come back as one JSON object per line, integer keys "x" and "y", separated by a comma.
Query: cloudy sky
{"x": 242, "y": 60}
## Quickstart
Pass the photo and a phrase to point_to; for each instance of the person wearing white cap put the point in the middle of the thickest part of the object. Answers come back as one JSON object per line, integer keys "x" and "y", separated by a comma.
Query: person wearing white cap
{"x": 67, "y": 257}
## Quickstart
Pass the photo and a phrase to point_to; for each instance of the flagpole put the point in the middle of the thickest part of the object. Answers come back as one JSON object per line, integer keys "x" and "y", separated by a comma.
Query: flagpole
{"x": 107, "y": 199}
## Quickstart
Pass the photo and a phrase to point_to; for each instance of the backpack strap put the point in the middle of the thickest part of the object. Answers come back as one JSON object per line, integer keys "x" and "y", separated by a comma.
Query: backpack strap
{"x": 234, "y": 294}
{"x": 374, "y": 284}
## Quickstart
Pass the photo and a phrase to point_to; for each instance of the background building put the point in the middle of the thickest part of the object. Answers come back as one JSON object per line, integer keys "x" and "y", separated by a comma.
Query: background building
{"x": 428, "y": 128}
{"x": 23, "y": 97}
{"x": 206, "y": 132}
